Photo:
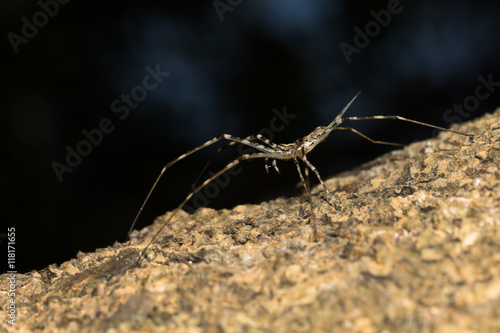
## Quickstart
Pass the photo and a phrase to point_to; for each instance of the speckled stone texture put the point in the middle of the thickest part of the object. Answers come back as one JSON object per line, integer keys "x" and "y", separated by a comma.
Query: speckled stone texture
{"x": 414, "y": 247}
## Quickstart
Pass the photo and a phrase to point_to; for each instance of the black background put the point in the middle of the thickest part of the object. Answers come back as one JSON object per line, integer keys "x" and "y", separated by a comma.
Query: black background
{"x": 226, "y": 76}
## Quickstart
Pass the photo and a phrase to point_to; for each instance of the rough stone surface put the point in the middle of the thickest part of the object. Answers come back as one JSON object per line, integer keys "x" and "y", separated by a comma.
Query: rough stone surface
{"x": 414, "y": 247}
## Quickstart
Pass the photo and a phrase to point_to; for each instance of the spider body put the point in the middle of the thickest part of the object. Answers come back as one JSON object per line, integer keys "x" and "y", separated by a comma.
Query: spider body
{"x": 296, "y": 151}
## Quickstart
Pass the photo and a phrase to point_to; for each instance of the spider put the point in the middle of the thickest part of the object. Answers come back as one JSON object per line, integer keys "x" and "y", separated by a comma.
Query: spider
{"x": 296, "y": 151}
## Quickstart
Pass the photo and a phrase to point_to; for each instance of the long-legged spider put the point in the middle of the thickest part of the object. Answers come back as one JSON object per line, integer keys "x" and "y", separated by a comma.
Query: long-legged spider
{"x": 268, "y": 150}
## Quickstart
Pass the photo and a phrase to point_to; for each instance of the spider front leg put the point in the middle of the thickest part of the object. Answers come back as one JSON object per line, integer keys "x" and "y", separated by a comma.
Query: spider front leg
{"x": 246, "y": 141}
{"x": 198, "y": 189}
{"x": 228, "y": 145}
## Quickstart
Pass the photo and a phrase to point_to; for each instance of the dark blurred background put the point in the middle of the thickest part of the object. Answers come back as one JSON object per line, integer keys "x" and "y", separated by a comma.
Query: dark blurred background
{"x": 67, "y": 65}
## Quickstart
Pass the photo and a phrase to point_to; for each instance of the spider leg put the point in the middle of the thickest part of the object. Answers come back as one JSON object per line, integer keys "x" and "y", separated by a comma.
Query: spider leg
{"x": 266, "y": 165}
{"x": 276, "y": 147}
{"x": 306, "y": 172}
{"x": 193, "y": 186}
{"x": 313, "y": 168}
{"x": 364, "y": 136}
{"x": 404, "y": 119}
{"x": 200, "y": 187}
{"x": 228, "y": 137}
{"x": 313, "y": 217}
{"x": 276, "y": 167}
{"x": 232, "y": 143}
{"x": 268, "y": 142}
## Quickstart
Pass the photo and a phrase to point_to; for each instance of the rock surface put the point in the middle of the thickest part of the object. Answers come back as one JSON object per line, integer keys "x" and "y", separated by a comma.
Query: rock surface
{"x": 413, "y": 247}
